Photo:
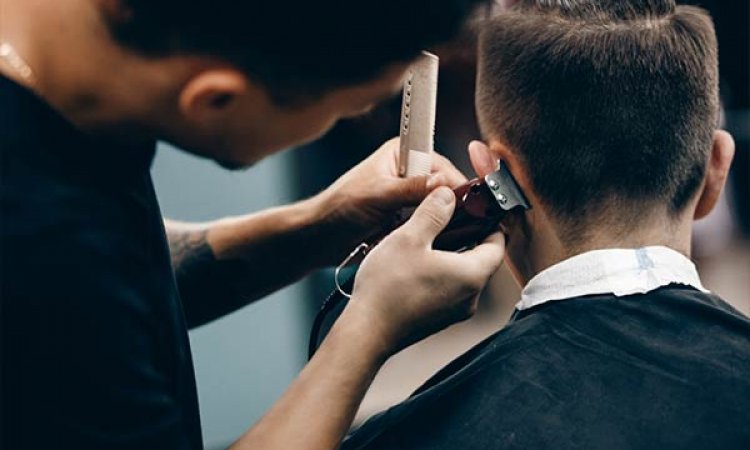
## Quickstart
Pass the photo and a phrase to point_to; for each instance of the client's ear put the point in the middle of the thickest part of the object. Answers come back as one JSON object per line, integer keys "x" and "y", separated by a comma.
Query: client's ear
{"x": 482, "y": 159}
{"x": 717, "y": 171}
{"x": 485, "y": 160}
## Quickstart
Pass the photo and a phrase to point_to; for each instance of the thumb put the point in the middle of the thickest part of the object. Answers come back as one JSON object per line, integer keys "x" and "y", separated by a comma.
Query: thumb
{"x": 432, "y": 215}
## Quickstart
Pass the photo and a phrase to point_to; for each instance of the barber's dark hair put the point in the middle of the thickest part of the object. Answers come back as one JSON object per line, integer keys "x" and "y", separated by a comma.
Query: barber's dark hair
{"x": 297, "y": 49}
{"x": 610, "y": 104}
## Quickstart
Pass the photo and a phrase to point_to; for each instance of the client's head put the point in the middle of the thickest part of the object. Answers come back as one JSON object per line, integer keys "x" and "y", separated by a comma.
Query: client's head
{"x": 606, "y": 112}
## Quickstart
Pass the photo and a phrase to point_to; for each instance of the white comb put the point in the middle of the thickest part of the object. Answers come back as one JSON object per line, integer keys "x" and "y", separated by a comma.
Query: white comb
{"x": 418, "y": 117}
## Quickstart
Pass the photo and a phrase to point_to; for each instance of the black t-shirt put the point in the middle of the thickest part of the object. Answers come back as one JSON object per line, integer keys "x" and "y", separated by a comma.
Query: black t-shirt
{"x": 95, "y": 351}
{"x": 665, "y": 370}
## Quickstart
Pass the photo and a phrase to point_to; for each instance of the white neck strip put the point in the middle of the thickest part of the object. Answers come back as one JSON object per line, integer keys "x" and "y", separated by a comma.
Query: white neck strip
{"x": 610, "y": 271}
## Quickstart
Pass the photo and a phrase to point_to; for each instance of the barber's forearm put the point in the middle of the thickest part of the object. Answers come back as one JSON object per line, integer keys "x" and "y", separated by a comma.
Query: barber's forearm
{"x": 226, "y": 264}
{"x": 318, "y": 408}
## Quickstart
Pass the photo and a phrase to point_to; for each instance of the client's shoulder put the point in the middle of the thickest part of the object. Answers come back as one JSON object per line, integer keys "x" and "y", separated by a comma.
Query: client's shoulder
{"x": 671, "y": 328}
{"x": 603, "y": 361}
{"x": 518, "y": 338}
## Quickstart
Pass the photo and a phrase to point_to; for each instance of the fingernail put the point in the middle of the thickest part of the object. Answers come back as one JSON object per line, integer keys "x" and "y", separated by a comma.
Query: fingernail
{"x": 444, "y": 195}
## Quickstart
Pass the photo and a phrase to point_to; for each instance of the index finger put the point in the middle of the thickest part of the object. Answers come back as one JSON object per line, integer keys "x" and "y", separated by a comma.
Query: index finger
{"x": 452, "y": 176}
{"x": 489, "y": 254}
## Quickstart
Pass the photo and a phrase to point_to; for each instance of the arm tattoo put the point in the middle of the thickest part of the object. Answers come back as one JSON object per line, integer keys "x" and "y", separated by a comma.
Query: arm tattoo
{"x": 208, "y": 287}
{"x": 211, "y": 287}
{"x": 187, "y": 245}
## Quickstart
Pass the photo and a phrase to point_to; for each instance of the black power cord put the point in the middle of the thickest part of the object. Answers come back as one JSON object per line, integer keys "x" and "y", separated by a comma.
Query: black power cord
{"x": 335, "y": 299}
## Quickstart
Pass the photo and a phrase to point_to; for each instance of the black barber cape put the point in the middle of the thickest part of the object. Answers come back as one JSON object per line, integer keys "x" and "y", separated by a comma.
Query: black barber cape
{"x": 665, "y": 370}
{"x": 95, "y": 351}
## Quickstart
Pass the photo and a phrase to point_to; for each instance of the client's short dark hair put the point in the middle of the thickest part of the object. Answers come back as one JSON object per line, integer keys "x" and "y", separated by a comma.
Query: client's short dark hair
{"x": 298, "y": 49}
{"x": 610, "y": 104}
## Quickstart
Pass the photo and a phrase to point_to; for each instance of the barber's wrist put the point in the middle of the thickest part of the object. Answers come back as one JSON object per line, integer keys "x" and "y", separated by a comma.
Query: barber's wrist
{"x": 365, "y": 333}
{"x": 336, "y": 232}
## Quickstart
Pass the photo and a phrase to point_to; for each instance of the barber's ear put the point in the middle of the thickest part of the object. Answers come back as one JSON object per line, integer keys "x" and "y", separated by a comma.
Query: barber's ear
{"x": 210, "y": 93}
{"x": 717, "y": 171}
{"x": 482, "y": 159}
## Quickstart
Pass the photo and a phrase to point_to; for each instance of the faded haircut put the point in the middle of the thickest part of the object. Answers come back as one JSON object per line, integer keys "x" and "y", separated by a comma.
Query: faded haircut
{"x": 611, "y": 105}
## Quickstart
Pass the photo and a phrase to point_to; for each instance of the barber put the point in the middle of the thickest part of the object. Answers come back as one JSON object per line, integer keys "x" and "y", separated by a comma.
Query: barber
{"x": 95, "y": 351}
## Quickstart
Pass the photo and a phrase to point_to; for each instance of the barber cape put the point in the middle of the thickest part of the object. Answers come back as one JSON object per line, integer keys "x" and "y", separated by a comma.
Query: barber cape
{"x": 610, "y": 349}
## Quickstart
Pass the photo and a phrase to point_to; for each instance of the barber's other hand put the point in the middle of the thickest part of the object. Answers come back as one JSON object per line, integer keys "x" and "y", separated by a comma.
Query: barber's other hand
{"x": 406, "y": 291}
{"x": 368, "y": 196}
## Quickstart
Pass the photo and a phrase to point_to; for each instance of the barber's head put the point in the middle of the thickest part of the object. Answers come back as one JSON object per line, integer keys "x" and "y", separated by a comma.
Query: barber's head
{"x": 271, "y": 74}
{"x": 606, "y": 112}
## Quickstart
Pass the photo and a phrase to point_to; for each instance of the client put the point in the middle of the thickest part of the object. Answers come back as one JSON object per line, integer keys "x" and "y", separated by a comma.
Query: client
{"x": 605, "y": 112}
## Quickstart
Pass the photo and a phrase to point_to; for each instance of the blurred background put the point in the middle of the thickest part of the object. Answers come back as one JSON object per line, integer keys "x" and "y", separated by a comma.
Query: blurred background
{"x": 244, "y": 362}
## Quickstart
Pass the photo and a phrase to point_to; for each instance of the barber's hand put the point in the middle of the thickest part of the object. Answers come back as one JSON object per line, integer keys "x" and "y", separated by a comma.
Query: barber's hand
{"x": 365, "y": 198}
{"x": 407, "y": 291}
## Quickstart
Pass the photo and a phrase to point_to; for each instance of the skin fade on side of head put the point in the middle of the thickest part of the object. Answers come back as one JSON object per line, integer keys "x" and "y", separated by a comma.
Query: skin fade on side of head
{"x": 610, "y": 105}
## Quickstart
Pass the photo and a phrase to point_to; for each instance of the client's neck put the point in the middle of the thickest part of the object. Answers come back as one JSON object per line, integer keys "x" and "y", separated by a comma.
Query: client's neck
{"x": 546, "y": 244}
{"x": 675, "y": 235}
